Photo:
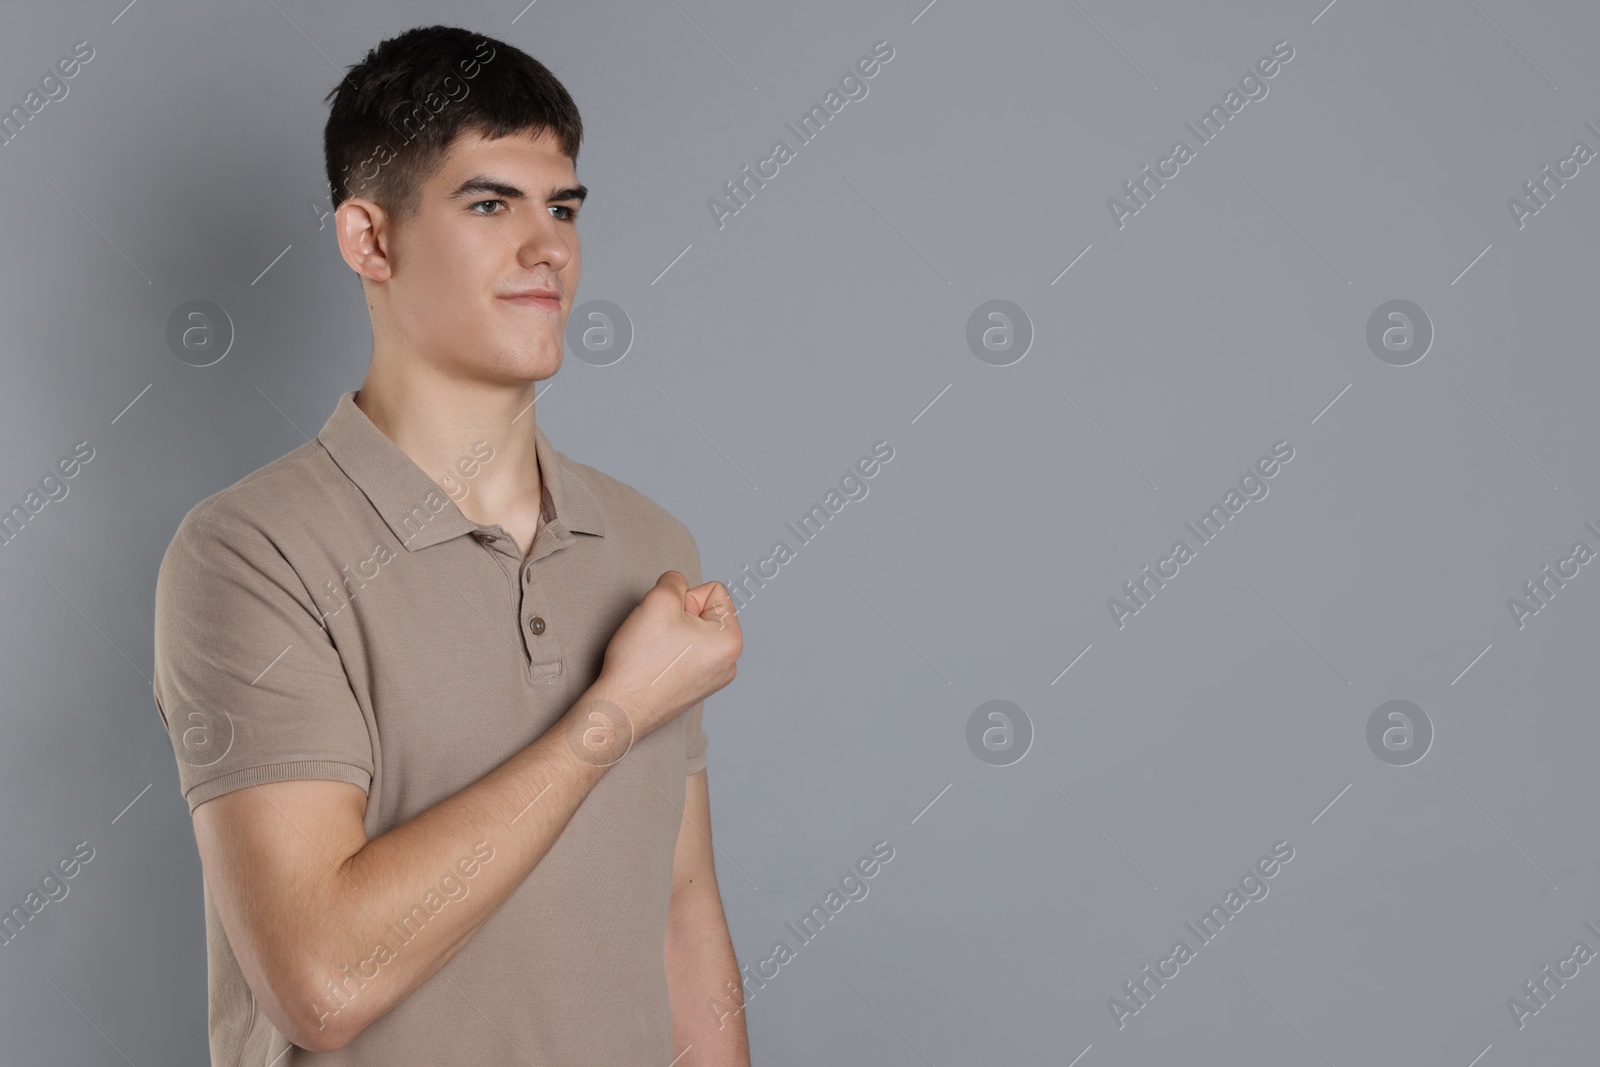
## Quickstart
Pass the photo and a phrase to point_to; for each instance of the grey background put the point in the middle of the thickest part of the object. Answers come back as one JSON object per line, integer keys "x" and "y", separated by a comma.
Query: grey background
{"x": 830, "y": 313}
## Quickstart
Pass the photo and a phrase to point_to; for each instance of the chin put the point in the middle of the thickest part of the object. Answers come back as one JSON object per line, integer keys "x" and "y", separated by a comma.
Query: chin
{"x": 530, "y": 366}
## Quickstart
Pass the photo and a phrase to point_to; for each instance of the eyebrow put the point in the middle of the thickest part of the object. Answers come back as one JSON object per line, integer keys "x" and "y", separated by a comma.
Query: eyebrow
{"x": 483, "y": 183}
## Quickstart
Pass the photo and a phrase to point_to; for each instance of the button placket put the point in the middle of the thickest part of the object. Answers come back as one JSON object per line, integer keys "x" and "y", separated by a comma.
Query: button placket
{"x": 543, "y": 644}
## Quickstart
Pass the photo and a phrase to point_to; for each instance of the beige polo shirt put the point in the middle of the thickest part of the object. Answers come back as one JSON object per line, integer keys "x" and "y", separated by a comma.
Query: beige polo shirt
{"x": 334, "y": 615}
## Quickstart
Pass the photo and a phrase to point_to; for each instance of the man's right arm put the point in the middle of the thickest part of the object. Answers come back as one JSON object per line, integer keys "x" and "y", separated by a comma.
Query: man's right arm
{"x": 303, "y": 894}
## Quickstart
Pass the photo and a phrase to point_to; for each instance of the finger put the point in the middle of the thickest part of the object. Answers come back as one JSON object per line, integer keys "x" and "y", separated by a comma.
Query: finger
{"x": 696, "y": 599}
{"x": 718, "y": 605}
{"x": 674, "y": 582}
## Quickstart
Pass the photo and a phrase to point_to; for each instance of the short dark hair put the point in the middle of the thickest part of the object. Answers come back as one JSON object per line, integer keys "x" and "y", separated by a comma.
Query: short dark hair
{"x": 402, "y": 106}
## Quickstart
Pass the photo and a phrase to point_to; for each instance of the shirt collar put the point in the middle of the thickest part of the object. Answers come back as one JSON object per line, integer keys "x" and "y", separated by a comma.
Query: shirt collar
{"x": 416, "y": 508}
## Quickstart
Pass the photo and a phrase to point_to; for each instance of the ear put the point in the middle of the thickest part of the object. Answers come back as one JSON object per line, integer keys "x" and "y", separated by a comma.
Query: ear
{"x": 362, "y": 227}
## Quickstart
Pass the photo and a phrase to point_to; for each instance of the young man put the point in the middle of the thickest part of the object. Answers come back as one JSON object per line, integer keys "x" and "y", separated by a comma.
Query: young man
{"x": 435, "y": 689}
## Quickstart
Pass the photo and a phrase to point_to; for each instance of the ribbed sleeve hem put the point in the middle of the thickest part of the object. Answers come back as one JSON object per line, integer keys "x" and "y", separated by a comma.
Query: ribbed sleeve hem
{"x": 327, "y": 770}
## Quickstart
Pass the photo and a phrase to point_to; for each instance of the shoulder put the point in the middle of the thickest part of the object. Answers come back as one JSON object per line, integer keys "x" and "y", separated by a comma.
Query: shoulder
{"x": 636, "y": 523}
{"x": 263, "y": 510}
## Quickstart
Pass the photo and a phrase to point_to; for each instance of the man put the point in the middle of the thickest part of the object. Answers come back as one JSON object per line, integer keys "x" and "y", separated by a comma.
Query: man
{"x": 435, "y": 689}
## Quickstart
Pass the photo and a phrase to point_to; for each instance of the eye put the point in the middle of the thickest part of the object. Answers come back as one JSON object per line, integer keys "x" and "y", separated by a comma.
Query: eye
{"x": 480, "y": 203}
{"x": 571, "y": 212}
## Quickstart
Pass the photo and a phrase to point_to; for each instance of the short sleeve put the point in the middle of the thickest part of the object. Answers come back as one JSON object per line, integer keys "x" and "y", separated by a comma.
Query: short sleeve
{"x": 694, "y": 733}
{"x": 249, "y": 685}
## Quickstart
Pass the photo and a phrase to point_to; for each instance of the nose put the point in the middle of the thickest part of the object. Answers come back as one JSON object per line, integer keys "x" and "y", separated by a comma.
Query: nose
{"x": 546, "y": 241}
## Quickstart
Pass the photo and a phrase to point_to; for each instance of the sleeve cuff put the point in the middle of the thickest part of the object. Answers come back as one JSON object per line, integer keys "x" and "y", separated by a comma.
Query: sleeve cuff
{"x": 327, "y": 770}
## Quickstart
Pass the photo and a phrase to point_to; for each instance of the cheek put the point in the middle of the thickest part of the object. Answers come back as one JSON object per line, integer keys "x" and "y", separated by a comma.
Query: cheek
{"x": 448, "y": 281}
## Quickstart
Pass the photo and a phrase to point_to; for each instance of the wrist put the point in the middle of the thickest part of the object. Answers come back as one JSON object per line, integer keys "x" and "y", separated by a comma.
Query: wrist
{"x": 599, "y": 728}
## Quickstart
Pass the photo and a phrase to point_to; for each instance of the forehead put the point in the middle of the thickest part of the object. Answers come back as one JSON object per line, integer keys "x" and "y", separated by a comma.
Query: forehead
{"x": 537, "y": 159}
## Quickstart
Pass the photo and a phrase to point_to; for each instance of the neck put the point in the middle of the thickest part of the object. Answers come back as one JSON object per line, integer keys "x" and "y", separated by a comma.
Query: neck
{"x": 474, "y": 439}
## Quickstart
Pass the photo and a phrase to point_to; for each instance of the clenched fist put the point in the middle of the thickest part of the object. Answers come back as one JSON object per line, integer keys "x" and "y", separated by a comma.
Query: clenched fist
{"x": 677, "y": 647}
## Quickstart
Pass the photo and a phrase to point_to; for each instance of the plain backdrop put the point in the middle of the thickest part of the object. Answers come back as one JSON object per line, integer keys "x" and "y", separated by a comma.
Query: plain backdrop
{"x": 1165, "y": 356}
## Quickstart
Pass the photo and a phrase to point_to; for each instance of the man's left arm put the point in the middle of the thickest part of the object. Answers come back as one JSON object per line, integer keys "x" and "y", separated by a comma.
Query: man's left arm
{"x": 702, "y": 971}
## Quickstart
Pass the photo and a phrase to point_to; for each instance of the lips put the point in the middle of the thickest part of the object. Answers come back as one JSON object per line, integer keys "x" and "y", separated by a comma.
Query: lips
{"x": 538, "y": 298}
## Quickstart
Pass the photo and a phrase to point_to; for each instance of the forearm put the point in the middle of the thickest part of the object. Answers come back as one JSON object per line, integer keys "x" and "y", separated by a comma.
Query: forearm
{"x": 704, "y": 984}
{"x": 502, "y": 825}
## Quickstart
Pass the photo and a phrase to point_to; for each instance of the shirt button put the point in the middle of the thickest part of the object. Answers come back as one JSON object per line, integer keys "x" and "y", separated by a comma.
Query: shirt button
{"x": 536, "y": 624}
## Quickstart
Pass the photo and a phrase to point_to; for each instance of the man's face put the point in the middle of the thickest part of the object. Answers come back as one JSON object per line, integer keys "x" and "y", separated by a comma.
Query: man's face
{"x": 482, "y": 277}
